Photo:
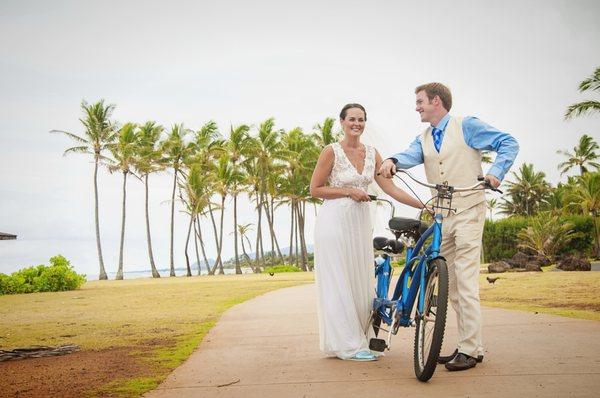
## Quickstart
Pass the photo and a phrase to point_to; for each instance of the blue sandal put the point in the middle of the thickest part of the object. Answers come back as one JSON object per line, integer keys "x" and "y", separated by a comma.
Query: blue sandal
{"x": 364, "y": 356}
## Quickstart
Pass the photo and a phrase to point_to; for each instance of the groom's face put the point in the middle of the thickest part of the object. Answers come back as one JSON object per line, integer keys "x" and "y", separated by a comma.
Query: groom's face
{"x": 425, "y": 107}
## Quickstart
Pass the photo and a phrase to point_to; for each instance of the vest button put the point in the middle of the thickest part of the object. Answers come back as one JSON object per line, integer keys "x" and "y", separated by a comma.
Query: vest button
{"x": 441, "y": 172}
{"x": 440, "y": 162}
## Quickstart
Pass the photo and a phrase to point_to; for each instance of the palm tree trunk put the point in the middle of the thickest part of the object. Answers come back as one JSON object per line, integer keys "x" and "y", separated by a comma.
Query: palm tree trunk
{"x": 238, "y": 270}
{"x": 196, "y": 248}
{"x": 246, "y": 256}
{"x": 171, "y": 259}
{"x": 202, "y": 247}
{"x": 120, "y": 270}
{"x": 187, "y": 242}
{"x": 262, "y": 251}
{"x": 291, "y": 232}
{"x": 258, "y": 234}
{"x": 594, "y": 218}
{"x": 274, "y": 234}
{"x": 211, "y": 271}
{"x": 271, "y": 233}
{"x": 219, "y": 259}
{"x": 102, "y": 275}
{"x": 155, "y": 273}
{"x": 296, "y": 234}
{"x": 302, "y": 243}
{"x": 303, "y": 238}
{"x": 270, "y": 218}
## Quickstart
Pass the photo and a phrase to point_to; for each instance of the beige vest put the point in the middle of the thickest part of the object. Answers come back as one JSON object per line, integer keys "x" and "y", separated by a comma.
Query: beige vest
{"x": 457, "y": 163}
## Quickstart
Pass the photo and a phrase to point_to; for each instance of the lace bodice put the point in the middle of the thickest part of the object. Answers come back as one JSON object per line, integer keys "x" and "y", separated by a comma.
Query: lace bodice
{"x": 345, "y": 175}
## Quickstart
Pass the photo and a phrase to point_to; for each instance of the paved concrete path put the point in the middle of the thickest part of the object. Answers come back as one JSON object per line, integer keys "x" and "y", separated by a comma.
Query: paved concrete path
{"x": 268, "y": 347}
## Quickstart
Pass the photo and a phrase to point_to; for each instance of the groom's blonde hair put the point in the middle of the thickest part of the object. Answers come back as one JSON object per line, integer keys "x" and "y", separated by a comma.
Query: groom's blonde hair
{"x": 433, "y": 89}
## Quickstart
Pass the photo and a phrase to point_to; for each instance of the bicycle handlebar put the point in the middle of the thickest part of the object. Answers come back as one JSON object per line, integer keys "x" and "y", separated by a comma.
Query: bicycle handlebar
{"x": 481, "y": 182}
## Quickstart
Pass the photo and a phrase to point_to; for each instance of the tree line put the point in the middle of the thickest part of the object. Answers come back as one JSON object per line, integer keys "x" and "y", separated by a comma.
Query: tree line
{"x": 272, "y": 167}
{"x": 530, "y": 195}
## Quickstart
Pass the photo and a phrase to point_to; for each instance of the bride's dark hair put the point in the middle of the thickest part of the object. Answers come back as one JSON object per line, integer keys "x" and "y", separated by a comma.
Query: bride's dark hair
{"x": 350, "y": 106}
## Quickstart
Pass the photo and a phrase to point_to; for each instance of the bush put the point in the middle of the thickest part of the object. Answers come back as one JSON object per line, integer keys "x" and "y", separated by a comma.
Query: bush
{"x": 282, "y": 268}
{"x": 500, "y": 238}
{"x": 59, "y": 276}
{"x": 583, "y": 243}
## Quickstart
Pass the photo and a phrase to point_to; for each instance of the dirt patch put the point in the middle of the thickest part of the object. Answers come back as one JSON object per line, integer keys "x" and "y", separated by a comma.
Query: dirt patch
{"x": 73, "y": 375}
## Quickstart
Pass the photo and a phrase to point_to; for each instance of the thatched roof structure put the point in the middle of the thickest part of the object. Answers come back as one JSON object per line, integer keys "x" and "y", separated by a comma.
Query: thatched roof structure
{"x": 5, "y": 236}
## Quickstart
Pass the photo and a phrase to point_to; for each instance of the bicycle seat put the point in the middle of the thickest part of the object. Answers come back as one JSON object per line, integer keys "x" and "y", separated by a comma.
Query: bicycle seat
{"x": 401, "y": 224}
{"x": 389, "y": 245}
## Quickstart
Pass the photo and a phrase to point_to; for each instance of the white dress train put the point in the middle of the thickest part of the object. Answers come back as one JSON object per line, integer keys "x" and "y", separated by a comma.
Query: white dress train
{"x": 344, "y": 261}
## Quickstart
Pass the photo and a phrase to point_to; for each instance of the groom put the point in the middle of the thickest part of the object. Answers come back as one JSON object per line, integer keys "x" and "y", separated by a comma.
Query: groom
{"x": 450, "y": 148}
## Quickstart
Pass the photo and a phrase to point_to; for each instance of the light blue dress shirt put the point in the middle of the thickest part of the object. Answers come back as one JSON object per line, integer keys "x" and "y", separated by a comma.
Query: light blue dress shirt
{"x": 478, "y": 135}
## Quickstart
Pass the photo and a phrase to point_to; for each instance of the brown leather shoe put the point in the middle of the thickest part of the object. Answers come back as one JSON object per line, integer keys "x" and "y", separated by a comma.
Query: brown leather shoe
{"x": 461, "y": 362}
{"x": 445, "y": 359}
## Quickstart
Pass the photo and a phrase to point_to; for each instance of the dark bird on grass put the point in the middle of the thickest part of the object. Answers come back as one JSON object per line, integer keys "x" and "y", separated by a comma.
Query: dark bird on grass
{"x": 271, "y": 273}
{"x": 492, "y": 280}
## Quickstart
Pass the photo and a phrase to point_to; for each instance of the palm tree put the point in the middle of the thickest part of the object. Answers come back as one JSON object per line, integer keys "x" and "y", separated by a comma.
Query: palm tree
{"x": 224, "y": 178}
{"x": 585, "y": 197}
{"x": 243, "y": 230}
{"x": 592, "y": 83}
{"x": 324, "y": 134}
{"x": 583, "y": 156}
{"x": 252, "y": 182}
{"x": 99, "y": 133}
{"x": 207, "y": 147}
{"x": 175, "y": 150}
{"x": 124, "y": 154}
{"x": 266, "y": 146}
{"x": 239, "y": 146}
{"x": 546, "y": 235}
{"x": 486, "y": 157}
{"x": 527, "y": 193}
{"x": 300, "y": 153}
{"x": 491, "y": 205}
{"x": 149, "y": 161}
{"x": 195, "y": 189}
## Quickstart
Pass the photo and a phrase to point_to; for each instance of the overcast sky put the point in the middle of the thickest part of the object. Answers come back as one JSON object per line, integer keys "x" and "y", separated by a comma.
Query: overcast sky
{"x": 514, "y": 64}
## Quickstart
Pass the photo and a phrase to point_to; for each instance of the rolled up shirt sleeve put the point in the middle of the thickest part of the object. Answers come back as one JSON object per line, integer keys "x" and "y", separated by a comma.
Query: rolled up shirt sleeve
{"x": 480, "y": 135}
{"x": 411, "y": 157}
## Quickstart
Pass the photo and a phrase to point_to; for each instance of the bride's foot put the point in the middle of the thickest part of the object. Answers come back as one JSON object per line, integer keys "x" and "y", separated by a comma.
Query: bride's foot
{"x": 364, "y": 356}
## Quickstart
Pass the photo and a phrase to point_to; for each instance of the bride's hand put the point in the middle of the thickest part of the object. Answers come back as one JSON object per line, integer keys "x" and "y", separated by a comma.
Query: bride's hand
{"x": 358, "y": 195}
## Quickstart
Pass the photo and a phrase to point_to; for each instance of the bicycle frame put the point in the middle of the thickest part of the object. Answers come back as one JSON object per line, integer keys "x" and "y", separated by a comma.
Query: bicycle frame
{"x": 400, "y": 307}
{"x": 405, "y": 292}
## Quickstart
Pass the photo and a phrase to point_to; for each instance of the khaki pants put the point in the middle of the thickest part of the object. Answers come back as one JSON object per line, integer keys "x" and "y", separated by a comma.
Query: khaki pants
{"x": 461, "y": 246}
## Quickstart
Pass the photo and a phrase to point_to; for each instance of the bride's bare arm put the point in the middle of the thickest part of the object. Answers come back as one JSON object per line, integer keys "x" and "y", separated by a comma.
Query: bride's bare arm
{"x": 318, "y": 182}
{"x": 388, "y": 187}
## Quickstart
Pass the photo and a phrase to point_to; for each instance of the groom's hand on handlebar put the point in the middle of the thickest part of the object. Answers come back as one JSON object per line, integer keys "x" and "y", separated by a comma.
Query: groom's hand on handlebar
{"x": 494, "y": 182}
{"x": 387, "y": 169}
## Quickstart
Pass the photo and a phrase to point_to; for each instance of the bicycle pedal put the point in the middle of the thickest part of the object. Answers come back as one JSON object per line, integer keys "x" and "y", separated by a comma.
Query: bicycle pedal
{"x": 377, "y": 345}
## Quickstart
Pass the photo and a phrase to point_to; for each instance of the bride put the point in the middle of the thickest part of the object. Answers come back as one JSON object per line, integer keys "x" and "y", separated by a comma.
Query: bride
{"x": 343, "y": 238}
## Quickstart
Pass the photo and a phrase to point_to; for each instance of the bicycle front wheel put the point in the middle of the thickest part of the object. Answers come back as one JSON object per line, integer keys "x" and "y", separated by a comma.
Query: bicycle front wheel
{"x": 432, "y": 322}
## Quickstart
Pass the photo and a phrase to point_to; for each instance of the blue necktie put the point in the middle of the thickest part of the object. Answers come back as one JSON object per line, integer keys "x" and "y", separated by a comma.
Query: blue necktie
{"x": 437, "y": 139}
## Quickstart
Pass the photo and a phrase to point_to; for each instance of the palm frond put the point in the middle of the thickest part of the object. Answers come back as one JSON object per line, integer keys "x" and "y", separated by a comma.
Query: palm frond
{"x": 582, "y": 108}
{"x": 591, "y": 83}
{"x": 78, "y": 149}
{"x": 71, "y": 135}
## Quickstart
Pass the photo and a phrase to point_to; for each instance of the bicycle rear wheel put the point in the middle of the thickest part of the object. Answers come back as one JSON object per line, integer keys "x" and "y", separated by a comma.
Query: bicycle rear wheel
{"x": 432, "y": 322}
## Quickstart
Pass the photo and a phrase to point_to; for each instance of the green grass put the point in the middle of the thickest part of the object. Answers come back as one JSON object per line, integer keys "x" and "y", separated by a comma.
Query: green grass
{"x": 162, "y": 320}
{"x": 571, "y": 294}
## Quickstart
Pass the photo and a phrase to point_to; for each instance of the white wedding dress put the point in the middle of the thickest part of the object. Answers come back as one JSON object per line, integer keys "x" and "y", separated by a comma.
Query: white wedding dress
{"x": 344, "y": 261}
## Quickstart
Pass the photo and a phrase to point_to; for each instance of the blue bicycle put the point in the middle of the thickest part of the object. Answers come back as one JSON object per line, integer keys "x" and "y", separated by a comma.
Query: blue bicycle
{"x": 424, "y": 279}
